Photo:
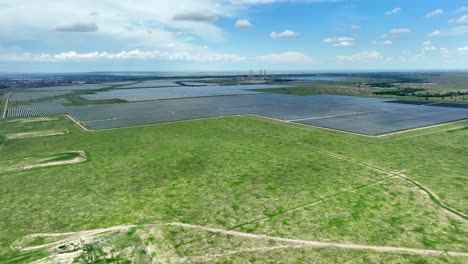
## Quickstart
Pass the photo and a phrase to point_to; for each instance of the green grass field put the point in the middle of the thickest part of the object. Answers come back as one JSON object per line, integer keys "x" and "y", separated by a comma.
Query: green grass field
{"x": 239, "y": 173}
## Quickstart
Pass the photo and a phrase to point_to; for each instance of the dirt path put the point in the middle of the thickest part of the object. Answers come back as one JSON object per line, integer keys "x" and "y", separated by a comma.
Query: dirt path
{"x": 426, "y": 190}
{"x": 7, "y": 100}
{"x": 318, "y": 244}
{"x": 77, "y": 123}
{"x": 88, "y": 235}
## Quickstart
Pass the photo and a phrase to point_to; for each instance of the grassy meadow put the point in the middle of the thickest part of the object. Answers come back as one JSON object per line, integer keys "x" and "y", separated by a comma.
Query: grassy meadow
{"x": 241, "y": 173}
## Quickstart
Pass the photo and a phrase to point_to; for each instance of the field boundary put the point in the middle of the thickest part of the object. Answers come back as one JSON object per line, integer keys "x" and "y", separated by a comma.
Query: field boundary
{"x": 78, "y": 123}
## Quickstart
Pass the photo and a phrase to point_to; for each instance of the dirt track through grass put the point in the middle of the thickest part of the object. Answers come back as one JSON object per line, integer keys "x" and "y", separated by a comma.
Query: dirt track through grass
{"x": 88, "y": 235}
{"x": 426, "y": 190}
{"x": 5, "y": 108}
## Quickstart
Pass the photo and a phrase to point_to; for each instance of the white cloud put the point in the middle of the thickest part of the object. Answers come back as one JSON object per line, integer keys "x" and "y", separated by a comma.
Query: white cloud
{"x": 195, "y": 17}
{"x": 355, "y": 27}
{"x": 341, "y": 41}
{"x": 152, "y": 23}
{"x": 243, "y": 24}
{"x": 434, "y": 33}
{"x": 285, "y": 34}
{"x": 396, "y": 33}
{"x": 361, "y": 56}
{"x": 79, "y": 27}
{"x": 463, "y": 49}
{"x": 386, "y": 42}
{"x": 429, "y": 48}
{"x": 434, "y": 13}
{"x": 460, "y": 20}
{"x": 462, "y": 9}
{"x": 160, "y": 55}
{"x": 427, "y": 43}
{"x": 444, "y": 52}
{"x": 454, "y": 31}
{"x": 393, "y": 11}
{"x": 285, "y": 58}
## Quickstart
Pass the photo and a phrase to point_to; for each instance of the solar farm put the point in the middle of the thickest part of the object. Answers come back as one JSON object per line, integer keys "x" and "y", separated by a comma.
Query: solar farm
{"x": 153, "y": 102}
{"x": 199, "y": 171}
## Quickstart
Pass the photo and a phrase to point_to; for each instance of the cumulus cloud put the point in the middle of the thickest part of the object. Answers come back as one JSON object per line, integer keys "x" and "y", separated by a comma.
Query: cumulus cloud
{"x": 355, "y": 27}
{"x": 462, "y": 9}
{"x": 393, "y": 11}
{"x": 243, "y": 24}
{"x": 285, "y": 34}
{"x": 397, "y": 33}
{"x": 453, "y": 31}
{"x": 341, "y": 41}
{"x": 434, "y": 13}
{"x": 457, "y": 31}
{"x": 195, "y": 17}
{"x": 427, "y": 43}
{"x": 460, "y": 20}
{"x": 361, "y": 56}
{"x": 463, "y": 49}
{"x": 285, "y": 58}
{"x": 388, "y": 42}
{"x": 79, "y": 27}
{"x": 204, "y": 56}
{"x": 429, "y": 48}
{"x": 435, "y": 33}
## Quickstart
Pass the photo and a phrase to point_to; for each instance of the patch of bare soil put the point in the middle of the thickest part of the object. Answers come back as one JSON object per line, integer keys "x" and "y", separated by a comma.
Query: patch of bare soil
{"x": 79, "y": 159}
{"x": 36, "y": 134}
{"x": 32, "y": 120}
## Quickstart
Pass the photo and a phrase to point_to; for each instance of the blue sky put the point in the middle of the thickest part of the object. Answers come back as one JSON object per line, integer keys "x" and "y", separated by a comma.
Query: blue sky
{"x": 239, "y": 35}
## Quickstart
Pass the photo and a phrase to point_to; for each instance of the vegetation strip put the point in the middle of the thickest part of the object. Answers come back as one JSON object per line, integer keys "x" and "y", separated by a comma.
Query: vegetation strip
{"x": 431, "y": 195}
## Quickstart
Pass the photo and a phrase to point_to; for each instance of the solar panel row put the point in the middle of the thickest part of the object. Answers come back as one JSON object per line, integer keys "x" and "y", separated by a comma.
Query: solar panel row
{"x": 369, "y": 116}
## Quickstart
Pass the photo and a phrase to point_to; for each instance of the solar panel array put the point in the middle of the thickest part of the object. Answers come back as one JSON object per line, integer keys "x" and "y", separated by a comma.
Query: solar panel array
{"x": 52, "y": 107}
{"x": 142, "y": 94}
{"x": 77, "y": 87}
{"x": 369, "y": 116}
{"x": 152, "y": 83}
{"x": 28, "y": 96}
